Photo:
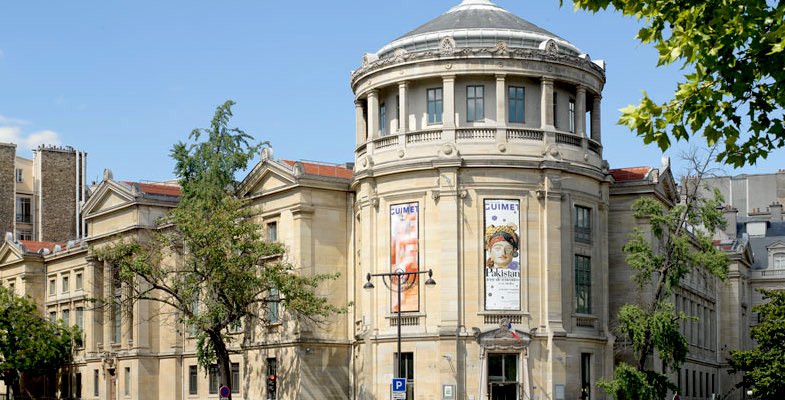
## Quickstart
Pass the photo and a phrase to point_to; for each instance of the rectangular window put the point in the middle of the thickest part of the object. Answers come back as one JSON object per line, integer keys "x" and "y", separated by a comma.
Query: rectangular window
{"x": 398, "y": 111}
{"x": 272, "y": 231}
{"x": 582, "y": 224}
{"x": 571, "y": 118}
{"x": 24, "y": 235}
{"x": 686, "y": 382}
{"x": 235, "y": 378}
{"x": 213, "y": 380}
{"x": 475, "y": 103}
{"x": 555, "y": 108}
{"x": 80, "y": 319}
{"x": 273, "y": 300}
{"x": 193, "y": 380}
{"x": 435, "y": 105}
{"x": 127, "y": 382}
{"x": 116, "y": 320}
{"x": 700, "y": 383}
{"x": 65, "y": 284}
{"x": 582, "y": 284}
{"x": 78, "y": 385}
{"x": 382, "y": 119}
{"x": 95, "y": 383}
{"x": 272, "y": 378}
{"x": 19, "y": 175}
{"x": 515, "y": 109}
{"x": 23, "y": 210}
{"x": 694, "y": 384}
{"x": 79, "y": 281}
{"x": 406, "y": 371}
{"x": 67, "y": 317}
{"x": 52, "y": 287}
{"x": 52, "y": 317}
{"x": 585, "y": 375}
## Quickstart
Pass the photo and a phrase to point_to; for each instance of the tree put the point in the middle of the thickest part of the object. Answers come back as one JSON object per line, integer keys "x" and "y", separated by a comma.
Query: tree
{"x": 733, "y": 89}
{"x": 28, "y": 343}
{"x": 677, "y": 242}
{"x": 207, "y": 259}
{"x": 764, "y": 366}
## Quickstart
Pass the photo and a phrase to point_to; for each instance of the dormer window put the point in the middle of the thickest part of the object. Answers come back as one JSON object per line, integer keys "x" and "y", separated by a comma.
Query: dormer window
{"x": 778, "y": 261}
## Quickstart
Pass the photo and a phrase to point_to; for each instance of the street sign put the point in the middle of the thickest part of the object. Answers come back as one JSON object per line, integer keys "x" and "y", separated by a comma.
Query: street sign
{"x": 399, "y": 388}
{"x": 224, "y": 392}
{"x": 399, "y": 385}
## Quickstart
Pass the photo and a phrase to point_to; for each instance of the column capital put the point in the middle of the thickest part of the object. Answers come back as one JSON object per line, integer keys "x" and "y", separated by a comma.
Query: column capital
{"x": 403, "y": 84}
{"x": 597, "y": 97}
{"x": 580, "y": 88}
{"x": 501, "y": 76}
{"x": 358, "y": 103}
{"x": 546, "y": 80}
{"x": 373, "y": 93}
{"x": 448, "y": 77}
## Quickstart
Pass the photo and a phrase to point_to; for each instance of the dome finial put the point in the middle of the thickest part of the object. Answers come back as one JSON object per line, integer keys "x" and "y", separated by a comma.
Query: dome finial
{"x": 475, "y": 5}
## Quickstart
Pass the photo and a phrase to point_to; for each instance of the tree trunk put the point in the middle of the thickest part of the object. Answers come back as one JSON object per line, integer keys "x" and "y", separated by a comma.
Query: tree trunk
{"x": 222, "y": 357}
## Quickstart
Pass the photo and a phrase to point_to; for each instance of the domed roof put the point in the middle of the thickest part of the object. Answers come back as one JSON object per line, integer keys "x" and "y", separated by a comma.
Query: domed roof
{"x": 476, "y": 23}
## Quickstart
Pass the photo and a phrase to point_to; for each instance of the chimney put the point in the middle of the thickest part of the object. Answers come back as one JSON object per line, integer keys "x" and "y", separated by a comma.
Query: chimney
{"x": 730, "y": 214}
{"x": 775, "y": 210}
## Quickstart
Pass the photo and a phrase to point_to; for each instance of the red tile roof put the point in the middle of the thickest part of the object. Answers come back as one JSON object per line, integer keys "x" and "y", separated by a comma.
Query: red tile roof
{"x": 630, "y": 174}
{"x": 35, "y": 247}
{"x": 157, "y": 189}
{"x": 333, "y": 171}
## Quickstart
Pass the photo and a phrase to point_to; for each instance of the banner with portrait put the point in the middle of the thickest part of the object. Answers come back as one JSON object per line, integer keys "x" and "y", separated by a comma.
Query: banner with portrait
{"x": 501, "y": 241}
{"x": 405, "y": 255}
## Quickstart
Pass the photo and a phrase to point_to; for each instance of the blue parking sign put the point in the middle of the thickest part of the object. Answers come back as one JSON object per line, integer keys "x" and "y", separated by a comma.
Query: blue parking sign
{"x": 399, "y": 385}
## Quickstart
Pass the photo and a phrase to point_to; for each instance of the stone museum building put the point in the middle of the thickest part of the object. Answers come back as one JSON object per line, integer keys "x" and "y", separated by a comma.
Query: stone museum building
{"x": 478, "y": 157}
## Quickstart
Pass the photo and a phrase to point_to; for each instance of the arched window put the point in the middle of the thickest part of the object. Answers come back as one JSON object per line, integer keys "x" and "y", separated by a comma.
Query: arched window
{"x": 779, "y": 261}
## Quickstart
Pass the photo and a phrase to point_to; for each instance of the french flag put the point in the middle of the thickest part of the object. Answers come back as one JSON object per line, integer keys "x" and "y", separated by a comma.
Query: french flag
{"x": 514, "y": 333}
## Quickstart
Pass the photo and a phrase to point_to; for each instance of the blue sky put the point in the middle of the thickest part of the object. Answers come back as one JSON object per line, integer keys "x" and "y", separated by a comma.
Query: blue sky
{"x": 124, "y": 81}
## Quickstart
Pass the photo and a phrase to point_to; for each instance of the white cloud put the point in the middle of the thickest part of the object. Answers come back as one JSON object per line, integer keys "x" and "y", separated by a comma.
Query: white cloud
{"x": 13, "y": 134}
{"x": 6, "y": 121}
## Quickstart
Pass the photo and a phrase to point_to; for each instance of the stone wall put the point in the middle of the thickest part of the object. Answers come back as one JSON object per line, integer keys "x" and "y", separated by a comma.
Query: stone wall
{"x": 58, "y": 193}
{"x": 7, "y": 187}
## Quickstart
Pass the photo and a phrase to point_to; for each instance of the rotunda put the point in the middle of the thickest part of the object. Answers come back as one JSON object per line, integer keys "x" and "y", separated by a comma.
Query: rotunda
{"x": 479, "y": 157}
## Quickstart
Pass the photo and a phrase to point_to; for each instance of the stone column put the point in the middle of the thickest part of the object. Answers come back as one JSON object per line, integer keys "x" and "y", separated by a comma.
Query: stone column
{"x": 552, "y": 251}
{"x": 580, "y": 111}
{"x": 403, "y": 107}
{"x": 448, "y": 85}
{"x": 361, "y": 127}
{"x": 501, "y": 101}
{"x": 373, "y": 114}
{"x": 546, "y": 104}
{"x": 596, "y": 119}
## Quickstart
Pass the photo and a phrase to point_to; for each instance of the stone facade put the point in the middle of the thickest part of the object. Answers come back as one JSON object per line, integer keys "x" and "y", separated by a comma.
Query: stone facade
{"x": 58, "y": 193}
{"x": 7, "y": 187}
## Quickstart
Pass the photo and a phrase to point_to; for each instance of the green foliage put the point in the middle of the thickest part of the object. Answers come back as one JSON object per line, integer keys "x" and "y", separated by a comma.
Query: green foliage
{"x": 676, "y": 242}
{"x": 28, "y": 342}
{"x": 630, "y": 383}
{"x": 764, "y": 366}
{"x": 733, "y": 91}
{"x": 208, "y": 260}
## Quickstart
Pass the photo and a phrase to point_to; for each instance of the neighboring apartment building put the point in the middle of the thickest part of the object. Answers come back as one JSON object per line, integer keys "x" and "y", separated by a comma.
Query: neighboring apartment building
{"x": 41, "y": 199}
{"x": 478, "y": 155}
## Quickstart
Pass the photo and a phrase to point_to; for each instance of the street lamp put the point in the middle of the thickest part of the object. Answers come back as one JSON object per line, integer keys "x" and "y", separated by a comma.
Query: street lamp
{"x": 399, "y": 274}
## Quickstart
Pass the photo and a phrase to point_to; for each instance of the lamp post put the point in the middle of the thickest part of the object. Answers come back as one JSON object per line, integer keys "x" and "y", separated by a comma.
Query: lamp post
{"x": 399, "y": 274}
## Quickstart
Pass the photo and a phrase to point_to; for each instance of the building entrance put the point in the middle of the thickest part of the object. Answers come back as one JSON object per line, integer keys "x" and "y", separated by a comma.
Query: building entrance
{"x": 503, "y": 376}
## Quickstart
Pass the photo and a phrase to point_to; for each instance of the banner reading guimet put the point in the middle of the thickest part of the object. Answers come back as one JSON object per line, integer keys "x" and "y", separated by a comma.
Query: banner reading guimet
{"x": 405, "y": 255}
{"x": 502, "y": 255}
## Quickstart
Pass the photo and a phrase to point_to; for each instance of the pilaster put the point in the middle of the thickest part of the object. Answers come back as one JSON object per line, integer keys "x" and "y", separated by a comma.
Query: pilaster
{"x": 546, "y": 104}
{"x": 580, "y": 111}
{"x": 403, "y": 107}
{"x": 596, "y": 119}
{"x": 373, "y": 114}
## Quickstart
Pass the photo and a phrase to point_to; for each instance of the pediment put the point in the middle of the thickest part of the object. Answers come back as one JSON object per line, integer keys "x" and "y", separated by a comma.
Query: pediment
{"x": 503, "y": 338}
{"x": 10, "y": 253}
{"x": 777, "y": 245}
{"x": 110, "y": 194}
{"x": 267, "y": 176}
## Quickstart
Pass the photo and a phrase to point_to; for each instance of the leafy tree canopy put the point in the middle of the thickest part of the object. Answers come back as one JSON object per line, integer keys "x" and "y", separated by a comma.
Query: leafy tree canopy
{"x": 764, "y": 366}
{"x": 28, "y": 342}
{"x": 733, "y": 90}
